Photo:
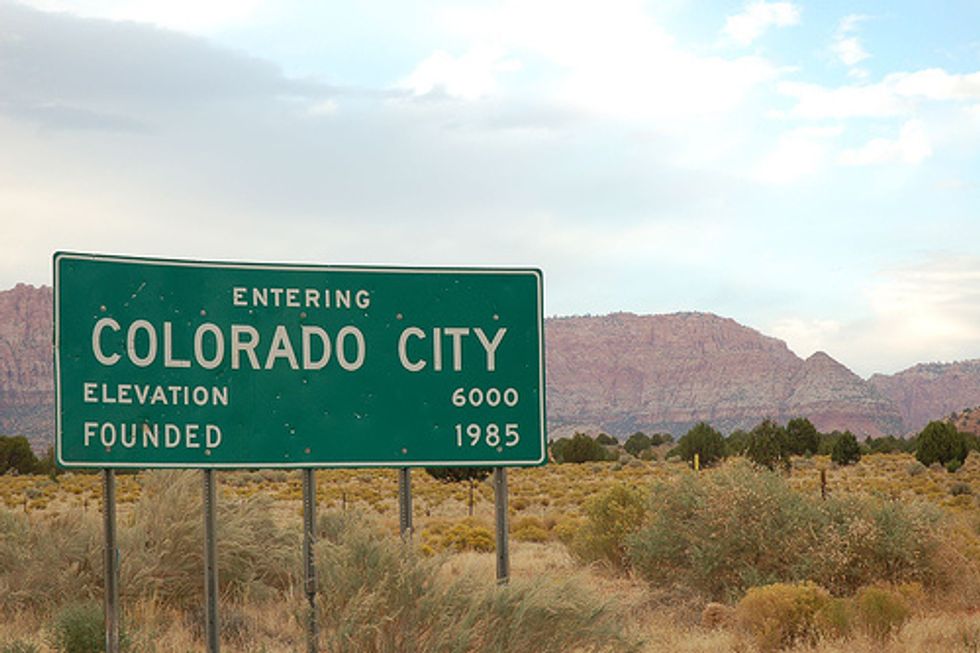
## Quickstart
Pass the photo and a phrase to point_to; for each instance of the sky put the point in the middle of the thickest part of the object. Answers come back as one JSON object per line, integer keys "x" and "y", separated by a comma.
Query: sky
{"x": 809, "y": 169}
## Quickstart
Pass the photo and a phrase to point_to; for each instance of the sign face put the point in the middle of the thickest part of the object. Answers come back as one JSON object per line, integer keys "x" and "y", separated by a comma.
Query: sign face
{"x": 162, "y": 363}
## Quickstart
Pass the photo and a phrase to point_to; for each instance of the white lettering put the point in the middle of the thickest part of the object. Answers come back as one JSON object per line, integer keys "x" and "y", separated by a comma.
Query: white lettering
{"x": 168, "y": 359}
{"x": 281, "y": 347}
{"x": 348, "y": 365}
{"x": 151, "y": 348}
{"x": 308, "y": 362}
{"x": 97, "y": 341}
{"x": 403, "y": 349}
{"x": 212, "y": 436}
{"x": 248, "y": 346}
{"x": 490, "y": 345}
{"x": 457, "y": 333}
{"x": 219, "y": 346}
{"x": 89, "y": 431}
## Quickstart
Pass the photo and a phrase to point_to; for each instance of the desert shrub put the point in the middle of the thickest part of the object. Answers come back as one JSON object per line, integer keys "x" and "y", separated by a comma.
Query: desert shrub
{"x": 717, "y": 615}
{"x": 379, "y": 595}
{"x": 781, "y": 615}
{"x": 465, "y": 535}
{"x": 610, "y": 518}
{"x": 916, "y": 468}
{"x": 881, "y": 611}
{"x": 529, "y": 529}
{"x": 78, "y": 628}
{"x": 846, "y": 450}
{"x": 954, "y": 465}
{"x": 835, "y": 619}
{"x": 722, "y": 532}
{"x": 706, "y": 442}
{"x": 866, "y": 540}
{"x": 960, "y": 488}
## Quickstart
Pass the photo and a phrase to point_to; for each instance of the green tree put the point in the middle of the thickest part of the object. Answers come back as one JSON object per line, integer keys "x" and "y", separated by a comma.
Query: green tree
{"x": 803, "y": 436}
{"x": 606, "y": 440}
{"x": 704, "y": 441}
{"x": 768, "y": 446}
{"x": 637, "y": 443}
{"x": 846, "y": 449}
{"x": 471, "y": 475}
{"x": 658, "y": 439}
{"x": 16, "y": 454}
{"x": 940, "y": 442}
{"x": 579, "y": 449}
{"x": 737, "y": 442}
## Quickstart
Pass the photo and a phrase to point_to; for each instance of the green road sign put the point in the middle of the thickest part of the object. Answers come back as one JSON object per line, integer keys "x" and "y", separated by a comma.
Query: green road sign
{"x": 162, "y": 363}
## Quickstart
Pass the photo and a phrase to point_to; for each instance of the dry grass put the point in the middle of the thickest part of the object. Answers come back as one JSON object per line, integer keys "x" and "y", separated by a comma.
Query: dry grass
{"x": 50, "y": 551}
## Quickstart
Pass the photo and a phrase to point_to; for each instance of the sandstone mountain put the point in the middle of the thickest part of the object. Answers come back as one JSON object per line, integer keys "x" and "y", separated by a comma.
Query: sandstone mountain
{"x": 931, "y": 390}
{"x": 618, "y": 373}
{"x": 626, "y": 372}
{"x": 26, "y": 365}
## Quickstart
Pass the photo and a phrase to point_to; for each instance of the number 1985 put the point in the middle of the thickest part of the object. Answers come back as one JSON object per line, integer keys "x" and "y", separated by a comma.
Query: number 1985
{"x": 491, "y": 435}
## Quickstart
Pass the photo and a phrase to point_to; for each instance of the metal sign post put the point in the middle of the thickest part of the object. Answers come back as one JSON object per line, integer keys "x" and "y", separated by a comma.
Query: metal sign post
{"x": 405, "y": 503}
{"x": 111, "y": 561}
{"x": 211, "y": 624}
{"x": 309, "y": 539}
{"x": 503, "y": 552}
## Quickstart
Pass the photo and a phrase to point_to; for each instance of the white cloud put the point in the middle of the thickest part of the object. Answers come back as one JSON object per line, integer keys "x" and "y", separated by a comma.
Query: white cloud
{"x": 805, "y": 337}
{"x": 912, "y": 146}
{"x": 819, "y": 102}
{"x": 746, "y": 27}
{"x": 924, "y": 311}
{"x": 897, "y": 94}
{"x": 468, "y": 77}
{"x": 610, "y": 60}
{"x": 799, "y": 153}
{"x": 848, "y": 48}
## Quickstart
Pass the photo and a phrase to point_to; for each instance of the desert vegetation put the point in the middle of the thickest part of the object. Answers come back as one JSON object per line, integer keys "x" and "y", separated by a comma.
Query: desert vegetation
{"x": 622, "y": 554}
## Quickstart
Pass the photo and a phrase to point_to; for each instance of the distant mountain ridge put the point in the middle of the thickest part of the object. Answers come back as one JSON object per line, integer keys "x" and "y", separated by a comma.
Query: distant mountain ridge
{"x": 625, "y": 372}
{"x": 618, "y": 373}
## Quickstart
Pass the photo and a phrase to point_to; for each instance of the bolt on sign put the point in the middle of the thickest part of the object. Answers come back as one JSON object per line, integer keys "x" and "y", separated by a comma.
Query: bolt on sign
{"x": 168, "y": 363}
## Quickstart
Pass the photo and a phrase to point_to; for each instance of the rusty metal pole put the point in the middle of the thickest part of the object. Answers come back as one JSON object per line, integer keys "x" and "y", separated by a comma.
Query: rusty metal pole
{"x": 309, "y": 539}
{"x": 111, "y": 561}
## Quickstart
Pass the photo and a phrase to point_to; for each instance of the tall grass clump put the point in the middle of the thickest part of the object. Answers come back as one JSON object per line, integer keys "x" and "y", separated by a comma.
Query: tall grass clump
{"x": 379, "y": 595}
{"x": 49, "y": 561}
{"x": 52, "y": 560}
{"x": 723, "y": 532}
{"x": 163, "y": 545}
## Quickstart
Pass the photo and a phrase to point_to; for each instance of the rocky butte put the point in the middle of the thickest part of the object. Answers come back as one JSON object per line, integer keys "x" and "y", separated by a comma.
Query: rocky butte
{"x": 618, "y": 373}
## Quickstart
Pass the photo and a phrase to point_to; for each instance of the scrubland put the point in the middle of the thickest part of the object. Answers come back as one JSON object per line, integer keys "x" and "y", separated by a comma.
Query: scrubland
{"x": 628, "y": 556}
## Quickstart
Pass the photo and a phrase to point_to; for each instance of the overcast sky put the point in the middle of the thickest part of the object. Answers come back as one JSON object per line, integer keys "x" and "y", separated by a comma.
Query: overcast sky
{"x": 810, "y": 169}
